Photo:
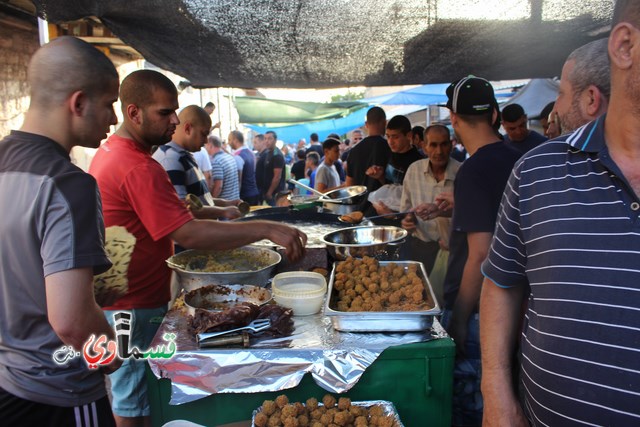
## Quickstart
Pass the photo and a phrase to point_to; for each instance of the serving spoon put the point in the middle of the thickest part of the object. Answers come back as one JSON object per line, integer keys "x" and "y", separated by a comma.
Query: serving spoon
{"x": 306, "y": 187}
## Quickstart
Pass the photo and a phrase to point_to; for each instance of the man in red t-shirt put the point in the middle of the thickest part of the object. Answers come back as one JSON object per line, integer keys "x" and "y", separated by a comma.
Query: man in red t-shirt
{"x": 138, "y": 195}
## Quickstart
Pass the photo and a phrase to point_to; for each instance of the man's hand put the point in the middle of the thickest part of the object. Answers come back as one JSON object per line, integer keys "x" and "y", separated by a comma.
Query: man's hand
{"x": 375, "y": 172}
{"x": 427, "y": 211}
{"x": 382, "y": 209}
{"x": 409, "y": 222}
{"x": 293, "y": 240}
{"x": 444, "y": 202}
{"x": 230, "y": 212}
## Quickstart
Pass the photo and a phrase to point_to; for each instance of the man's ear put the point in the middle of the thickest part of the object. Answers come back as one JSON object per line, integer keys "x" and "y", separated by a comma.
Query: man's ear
{"x": 133, "y": 113}
{"x": 188, "y": 128}
{"x": 594, "y": 101}
{"x": 77, "y": 103}
{"x": 622, "y": 41}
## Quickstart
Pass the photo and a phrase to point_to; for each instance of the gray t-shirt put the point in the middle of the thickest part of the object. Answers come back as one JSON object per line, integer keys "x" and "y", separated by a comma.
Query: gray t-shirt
{"x": 327, "y": 175}
{"x": 52, "y": 222}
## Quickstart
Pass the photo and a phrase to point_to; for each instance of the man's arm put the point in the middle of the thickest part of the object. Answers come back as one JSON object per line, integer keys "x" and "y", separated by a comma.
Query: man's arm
{"x": 216, "y": 188}
{"x": 207, "y": 177}
{"x": 499, "y": 321}
{"x": 277, "y": 172}
{"x": 204, "y": 234}
{"x": 72, "y": 310}
{"x": 470, "y": 287}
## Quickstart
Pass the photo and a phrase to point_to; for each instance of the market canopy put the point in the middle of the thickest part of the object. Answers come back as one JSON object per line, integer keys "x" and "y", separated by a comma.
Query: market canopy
{"x": 535, "y": 95}
{"x": 332, "y": 43}
{"x": 275, "y": 112}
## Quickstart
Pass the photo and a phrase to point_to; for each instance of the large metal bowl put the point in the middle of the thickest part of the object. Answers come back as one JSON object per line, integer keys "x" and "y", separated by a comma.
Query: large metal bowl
{"x": 251, "y": 266}
{"x": 381, "y": 242}
{"x": 352, "y": 195}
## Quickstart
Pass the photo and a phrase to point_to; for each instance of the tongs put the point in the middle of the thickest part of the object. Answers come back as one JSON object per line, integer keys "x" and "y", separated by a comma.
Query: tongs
{"x": 256, "y": 326}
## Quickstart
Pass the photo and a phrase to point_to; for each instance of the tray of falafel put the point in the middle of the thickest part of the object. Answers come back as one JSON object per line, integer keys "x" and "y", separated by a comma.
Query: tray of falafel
{"x": 367, "y": 295}
{"x": 328, "y": 412}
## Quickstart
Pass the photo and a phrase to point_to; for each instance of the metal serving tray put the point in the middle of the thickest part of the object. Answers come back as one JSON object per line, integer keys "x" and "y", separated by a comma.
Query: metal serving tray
{"x": 388, "y": 408}
{"x": 383, "y": 321}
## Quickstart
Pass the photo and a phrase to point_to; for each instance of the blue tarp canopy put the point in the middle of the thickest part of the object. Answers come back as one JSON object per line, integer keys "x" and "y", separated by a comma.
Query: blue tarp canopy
{"x": 421, "y": 95}
{"x": 292, "y": 134}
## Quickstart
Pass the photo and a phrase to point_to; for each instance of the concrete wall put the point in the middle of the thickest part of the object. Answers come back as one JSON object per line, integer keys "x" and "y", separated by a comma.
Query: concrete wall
{"x": 18, "y": 41}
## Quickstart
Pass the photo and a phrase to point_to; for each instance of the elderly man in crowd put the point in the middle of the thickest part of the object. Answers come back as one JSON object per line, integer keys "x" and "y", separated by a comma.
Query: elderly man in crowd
{"x": 52, "y": 242}
{"x": 425, "y": 187}
{"x": 584, "y": 86}
{"x": 568, "y": 232}
{"x": 138, "y": 195}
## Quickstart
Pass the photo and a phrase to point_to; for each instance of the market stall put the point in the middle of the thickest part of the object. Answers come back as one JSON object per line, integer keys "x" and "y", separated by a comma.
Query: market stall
{"x": 398, "y": 353}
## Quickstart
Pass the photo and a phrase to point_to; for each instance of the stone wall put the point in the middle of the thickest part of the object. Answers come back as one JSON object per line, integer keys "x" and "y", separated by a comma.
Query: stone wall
{"x": 17, "y": 44}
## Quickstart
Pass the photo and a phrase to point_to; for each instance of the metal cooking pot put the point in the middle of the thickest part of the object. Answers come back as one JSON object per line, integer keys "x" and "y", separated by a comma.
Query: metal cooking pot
{"x": 254, "y": 268}
{"x": 381, "y": 242}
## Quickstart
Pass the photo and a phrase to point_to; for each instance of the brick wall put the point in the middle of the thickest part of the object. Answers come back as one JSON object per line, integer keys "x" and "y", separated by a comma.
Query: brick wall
{"x": 17, "y": 44}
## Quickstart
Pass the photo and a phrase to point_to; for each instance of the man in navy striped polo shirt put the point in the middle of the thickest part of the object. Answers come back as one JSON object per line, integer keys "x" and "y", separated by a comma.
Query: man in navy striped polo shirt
{"x": 569, "y": 231}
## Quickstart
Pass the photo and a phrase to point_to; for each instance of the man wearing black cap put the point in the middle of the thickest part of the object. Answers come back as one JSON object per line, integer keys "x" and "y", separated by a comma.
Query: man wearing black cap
{"x": 478, "y": 190}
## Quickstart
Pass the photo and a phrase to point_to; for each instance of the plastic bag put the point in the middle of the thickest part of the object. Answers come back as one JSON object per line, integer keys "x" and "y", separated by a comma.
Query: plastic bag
{"x": 389, "y": 194}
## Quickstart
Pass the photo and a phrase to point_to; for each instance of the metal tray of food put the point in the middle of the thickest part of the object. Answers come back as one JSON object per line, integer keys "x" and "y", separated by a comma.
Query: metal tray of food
{"x": 377, "y": 408}
{"x": 415, "y": 319}
{"x": 222, "y": 297}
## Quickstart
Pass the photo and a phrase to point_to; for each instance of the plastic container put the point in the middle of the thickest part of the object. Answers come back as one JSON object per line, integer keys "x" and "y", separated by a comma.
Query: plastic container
{"x": 301, "y": 291}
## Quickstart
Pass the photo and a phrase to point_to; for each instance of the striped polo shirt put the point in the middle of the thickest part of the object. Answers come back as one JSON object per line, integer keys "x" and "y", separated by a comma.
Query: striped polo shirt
{"x": 569, "y": 226}
{"x": 183, "y": 171}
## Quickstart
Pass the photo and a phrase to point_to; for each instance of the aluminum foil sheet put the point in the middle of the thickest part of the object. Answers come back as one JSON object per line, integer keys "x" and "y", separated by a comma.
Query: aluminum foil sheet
{"x": 336, "y": 360}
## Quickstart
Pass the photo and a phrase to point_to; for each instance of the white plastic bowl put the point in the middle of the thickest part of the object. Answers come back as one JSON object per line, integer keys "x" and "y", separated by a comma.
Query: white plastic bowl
{"x": 301, "y": 291}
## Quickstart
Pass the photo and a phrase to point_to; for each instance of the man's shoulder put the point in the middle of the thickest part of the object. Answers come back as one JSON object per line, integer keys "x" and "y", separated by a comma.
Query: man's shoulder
{"x": 536, "y": 136}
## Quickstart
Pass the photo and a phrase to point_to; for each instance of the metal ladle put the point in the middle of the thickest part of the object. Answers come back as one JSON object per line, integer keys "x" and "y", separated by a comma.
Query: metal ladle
{"x": 306, "y": 187}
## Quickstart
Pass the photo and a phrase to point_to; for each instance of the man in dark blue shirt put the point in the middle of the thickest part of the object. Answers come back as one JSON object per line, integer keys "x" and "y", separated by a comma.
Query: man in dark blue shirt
{"x": 519, "y": 136}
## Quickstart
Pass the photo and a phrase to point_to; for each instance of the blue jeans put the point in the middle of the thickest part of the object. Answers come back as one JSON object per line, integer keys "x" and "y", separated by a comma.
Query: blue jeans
{"x": 128, "y": 383}
{"x": 467, "y": 373}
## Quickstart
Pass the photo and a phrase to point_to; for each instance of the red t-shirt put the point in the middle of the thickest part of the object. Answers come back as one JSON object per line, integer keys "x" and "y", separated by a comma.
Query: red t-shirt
{"x": 138, "y": 195}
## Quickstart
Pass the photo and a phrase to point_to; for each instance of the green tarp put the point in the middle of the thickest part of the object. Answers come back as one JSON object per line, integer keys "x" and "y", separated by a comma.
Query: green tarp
{"x": 274, "y": 112}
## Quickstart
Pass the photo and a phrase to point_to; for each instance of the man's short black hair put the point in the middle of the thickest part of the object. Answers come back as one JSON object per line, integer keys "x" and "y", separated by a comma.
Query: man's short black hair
{"x": 376, "y": 115}
{"x": 209, "y": 104}
{"x": 334, "y": 136}
{"x": 275, "y": 135}
{"x": 314, "y": 137}
{"x": 300, "y": 154}
{"x": 418, "y": 130}
{"x": 400, "y": 123}
{"x": 512, "y": 113}
{"x": 329, "y": 143}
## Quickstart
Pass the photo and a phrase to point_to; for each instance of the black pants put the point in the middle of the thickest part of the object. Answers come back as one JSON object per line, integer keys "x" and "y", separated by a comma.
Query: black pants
{"x": 18, "y": 412}
{"x": 417, "y": 250}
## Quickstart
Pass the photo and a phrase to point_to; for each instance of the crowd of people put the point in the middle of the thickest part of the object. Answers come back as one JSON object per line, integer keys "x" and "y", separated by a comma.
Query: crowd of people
{"x": 531, "y": 245}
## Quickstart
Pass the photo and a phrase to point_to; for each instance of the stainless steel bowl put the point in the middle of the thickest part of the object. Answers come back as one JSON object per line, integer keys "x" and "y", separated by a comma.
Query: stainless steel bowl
{"x": 352, "y": 195}
{"x": 381, "y": 242}
{"x": 251, "y": 266}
